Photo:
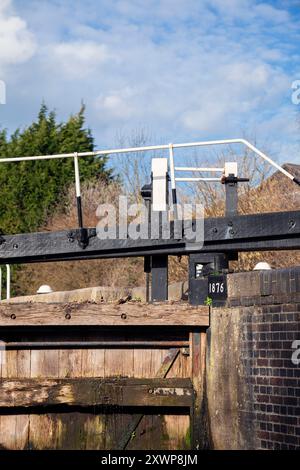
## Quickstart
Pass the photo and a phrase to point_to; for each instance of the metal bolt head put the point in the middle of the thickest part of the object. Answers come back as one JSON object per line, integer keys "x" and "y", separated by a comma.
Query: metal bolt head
{"x": 185, "y": 351}
{"x": 292, "y": 224}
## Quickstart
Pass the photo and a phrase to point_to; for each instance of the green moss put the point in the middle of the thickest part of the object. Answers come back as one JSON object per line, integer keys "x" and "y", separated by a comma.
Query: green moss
{"x": 188, "y": 439}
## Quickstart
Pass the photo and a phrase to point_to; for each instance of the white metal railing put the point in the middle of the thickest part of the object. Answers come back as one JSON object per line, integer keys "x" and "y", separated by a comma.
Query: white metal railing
{"x": 169, "y": 147}
{"x": 210, "y": 143}
{"x": 191, "y": 168}
{"x": 7, "y": 282}
{"x": 229, "y": 168}
{"x": 192, "y": 179}
{"x": 199, "y": 170}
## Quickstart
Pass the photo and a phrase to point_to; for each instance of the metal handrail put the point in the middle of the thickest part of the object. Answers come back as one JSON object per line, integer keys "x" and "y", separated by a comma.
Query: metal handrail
{"x": 191, "y": 168}
{"x": 170, "y": 147}
{"x": 152, "y": 147}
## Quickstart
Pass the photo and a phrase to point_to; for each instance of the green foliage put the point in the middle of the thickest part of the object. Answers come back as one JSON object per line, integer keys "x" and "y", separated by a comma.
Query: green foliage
{"x": 208, "y": 301}
{"x": 31, "y": 190}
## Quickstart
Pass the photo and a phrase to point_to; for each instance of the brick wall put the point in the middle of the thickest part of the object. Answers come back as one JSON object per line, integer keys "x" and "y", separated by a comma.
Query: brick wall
{"x": 275, "y": 381}
{"x": 253, "y": 386}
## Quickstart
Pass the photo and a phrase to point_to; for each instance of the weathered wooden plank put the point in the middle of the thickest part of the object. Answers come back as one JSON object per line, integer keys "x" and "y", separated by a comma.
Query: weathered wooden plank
{"x": 93, "y": 363}
{"x": 177, "y": 430}
{"x": 167, "y": 363}
{"x": 82, "y": 430}
{"x": 238, "y": 233}
{"x": 141, "y": 432}
{"x": 197, "y": 348}
{"x": 177, "y": 427}
{"x": 182, "y": 366}
{"x": 8, "y": 432}
{"x": 70, "y": 363}
{"x": 114, "y": 362}
{"x": 44, "y": 363}
{"x": 10, "y": 364}
{"x": 14, "y": 428}
{"x": 88, "y": 345}
{"x": 43, "y": 428}
{"x": 94, "y": 432}
{"x": 87, "y": 392}
{"x": 129, "y": 314}
{"x": 23, "y": 420}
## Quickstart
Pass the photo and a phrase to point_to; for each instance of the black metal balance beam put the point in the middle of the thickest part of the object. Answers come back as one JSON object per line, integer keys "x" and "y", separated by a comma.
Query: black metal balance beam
{"x": 238, "y": 233}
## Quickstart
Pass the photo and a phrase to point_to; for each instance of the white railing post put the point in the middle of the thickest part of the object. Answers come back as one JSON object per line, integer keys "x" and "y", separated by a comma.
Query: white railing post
{"x": 173, "y": 181}
{"x": 7, "y": 281}
{"x": 77, "y": 191}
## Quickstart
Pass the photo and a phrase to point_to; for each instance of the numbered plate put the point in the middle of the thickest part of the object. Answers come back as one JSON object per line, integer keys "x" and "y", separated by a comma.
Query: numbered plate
{"x": 217, "y": 287}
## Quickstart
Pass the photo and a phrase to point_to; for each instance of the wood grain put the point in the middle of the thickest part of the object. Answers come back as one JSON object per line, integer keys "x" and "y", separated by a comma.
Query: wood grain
{"x": 65, "y": 427}
{"x": 250, "y": 232}
{"x": 88, "y": 314}
{"x": 88, "y": 392}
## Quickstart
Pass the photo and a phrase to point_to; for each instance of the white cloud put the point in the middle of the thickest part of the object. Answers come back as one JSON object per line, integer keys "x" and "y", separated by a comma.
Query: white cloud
{"x": 80, "y": 58}
{"x": 268, "y": 12}
{"x": 247, "y": 11}
{"x": 116, "y": 105}
{"x": 17, "y": 43}
{"x": 4, "y": 4}
{"x": 187, "y": 69}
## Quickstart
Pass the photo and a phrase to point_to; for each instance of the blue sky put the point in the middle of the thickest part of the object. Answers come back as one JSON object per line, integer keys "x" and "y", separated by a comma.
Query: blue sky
{"x": 183, "y": 70}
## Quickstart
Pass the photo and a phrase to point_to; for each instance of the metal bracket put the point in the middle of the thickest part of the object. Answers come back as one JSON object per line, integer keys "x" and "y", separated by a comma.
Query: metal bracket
{"x": 231, "y": 179}
{"x": 82, "y": 236}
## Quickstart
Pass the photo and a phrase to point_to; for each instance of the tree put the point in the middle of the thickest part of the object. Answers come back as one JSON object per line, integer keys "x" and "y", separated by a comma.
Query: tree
{"x": 30, "y": 191}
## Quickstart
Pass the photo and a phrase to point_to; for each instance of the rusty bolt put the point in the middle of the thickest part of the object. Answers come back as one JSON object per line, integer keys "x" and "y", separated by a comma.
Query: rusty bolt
{"x": 185, "y": 351}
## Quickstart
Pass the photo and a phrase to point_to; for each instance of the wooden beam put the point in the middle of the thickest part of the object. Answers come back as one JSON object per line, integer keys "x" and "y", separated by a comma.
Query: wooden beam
{"x": 272, "y": 231}
{"x": 96, "y": 392}
{"x": 89, "y": 314}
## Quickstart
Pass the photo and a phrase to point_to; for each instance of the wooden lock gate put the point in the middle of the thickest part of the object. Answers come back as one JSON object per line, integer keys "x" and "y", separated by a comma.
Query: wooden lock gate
{"x": 102, "y": 376}
{"x": 129, "y": 376}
